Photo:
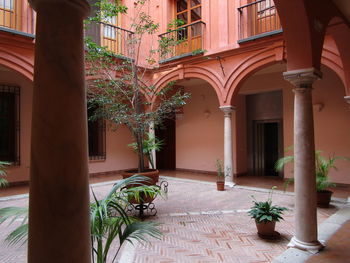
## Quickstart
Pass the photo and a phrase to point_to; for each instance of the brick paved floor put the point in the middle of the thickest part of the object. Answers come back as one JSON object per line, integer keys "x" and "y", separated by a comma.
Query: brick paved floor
{"x": 199, "y": 223}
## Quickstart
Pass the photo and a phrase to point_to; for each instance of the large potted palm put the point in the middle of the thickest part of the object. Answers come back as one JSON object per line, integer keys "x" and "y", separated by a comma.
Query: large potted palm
{"x": 323, "y": 166}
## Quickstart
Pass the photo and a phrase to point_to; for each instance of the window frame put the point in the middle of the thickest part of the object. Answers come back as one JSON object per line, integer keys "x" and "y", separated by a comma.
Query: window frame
{"x": 100, "y": 151}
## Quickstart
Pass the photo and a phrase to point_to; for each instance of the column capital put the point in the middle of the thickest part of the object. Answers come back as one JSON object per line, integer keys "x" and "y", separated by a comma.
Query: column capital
{"x": 80, "y": 5}
{"x": 302, "y": 78}
{"x": 227, "y": 109}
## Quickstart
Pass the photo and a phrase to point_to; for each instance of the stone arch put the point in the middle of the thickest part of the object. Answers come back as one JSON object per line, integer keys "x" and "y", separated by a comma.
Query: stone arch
{"x": 17, "y": 63}
{"x": 266, "y": 58}
{"x": 192, "y": 72}
{"x": 340, "y": 32}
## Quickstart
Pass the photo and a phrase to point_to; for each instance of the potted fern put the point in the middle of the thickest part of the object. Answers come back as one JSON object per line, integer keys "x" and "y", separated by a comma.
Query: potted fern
{"x": 323, "y": 166}
{"x": 266, "y": 215}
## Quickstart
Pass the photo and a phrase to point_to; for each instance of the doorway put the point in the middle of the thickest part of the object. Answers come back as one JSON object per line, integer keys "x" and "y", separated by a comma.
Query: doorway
{"x": 166, "y": 157}
{"x": 267, "y": 146}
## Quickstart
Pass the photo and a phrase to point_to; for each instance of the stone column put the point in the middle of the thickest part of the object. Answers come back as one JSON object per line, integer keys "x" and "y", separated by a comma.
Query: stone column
{"x": 59, "y": 221}
{"x": 305, "y": 237}
{"x": 347, "y": 99}
{"x": 153, "y": 154}
{"x": 228, "y": 166}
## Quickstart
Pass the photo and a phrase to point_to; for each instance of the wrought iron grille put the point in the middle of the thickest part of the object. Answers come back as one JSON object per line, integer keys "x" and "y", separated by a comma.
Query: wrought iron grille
{"x": 10, "y": 124}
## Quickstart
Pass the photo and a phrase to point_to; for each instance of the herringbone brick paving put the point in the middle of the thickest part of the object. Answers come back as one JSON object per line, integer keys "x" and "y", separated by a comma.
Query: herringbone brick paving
{"x": 199, "y": 224}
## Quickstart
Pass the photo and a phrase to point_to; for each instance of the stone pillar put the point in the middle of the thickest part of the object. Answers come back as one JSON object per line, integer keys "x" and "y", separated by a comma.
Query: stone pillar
{"x": 305, "y": 237}
{"x": 347, "y": 99}
{"x": 153, "y": 154}
{"x": 228, "y": 166}
{"x": 59, "y": 220}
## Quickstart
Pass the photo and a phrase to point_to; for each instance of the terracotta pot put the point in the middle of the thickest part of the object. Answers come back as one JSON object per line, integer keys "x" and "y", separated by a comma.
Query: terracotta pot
{"x": 220, "y": 186}
{"x": 324, "y": 198}
{"x": 267, "y": 230}
{"x": 152, "y": 174}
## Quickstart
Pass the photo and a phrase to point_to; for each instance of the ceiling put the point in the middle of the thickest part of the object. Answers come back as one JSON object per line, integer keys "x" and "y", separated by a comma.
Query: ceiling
{"x": 344, "y": 7}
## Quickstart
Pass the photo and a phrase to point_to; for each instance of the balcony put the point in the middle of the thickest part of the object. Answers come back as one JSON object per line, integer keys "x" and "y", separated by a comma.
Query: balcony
{"x": 182, "y": 42}
{"x": 258, "y": 19}
{"x": 17, "y": 17}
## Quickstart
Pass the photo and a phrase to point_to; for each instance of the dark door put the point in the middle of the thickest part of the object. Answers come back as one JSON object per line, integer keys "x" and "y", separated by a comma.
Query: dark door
{"x": 166, "y": 157}
{"x": 267, "y": 147}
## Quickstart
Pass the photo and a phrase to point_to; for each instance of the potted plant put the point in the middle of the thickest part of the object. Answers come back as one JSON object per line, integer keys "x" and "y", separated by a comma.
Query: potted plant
{"x": 322, "y": 167}
{"x": 119, "y": 89}
{"x": 266, "y": 215}
{"x": 220, "y": 175}
{"x": 3, "y": 173}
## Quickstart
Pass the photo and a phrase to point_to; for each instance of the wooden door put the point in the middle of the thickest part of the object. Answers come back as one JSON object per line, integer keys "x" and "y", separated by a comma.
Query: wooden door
{"x": 9, "y": 14}
{"x": 190, "y": 35}
{"x": 266, "y": 17}
{"x": 166, "y": 157}
{"x": 112, "y": 35}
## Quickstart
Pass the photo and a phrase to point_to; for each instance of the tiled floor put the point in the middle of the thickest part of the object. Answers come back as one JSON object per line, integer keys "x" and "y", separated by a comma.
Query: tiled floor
{"x": 201, "y": 224}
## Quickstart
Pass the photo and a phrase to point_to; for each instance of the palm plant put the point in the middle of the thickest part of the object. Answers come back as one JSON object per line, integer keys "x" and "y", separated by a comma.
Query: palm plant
{"x": 322, "y": 167}
{"x": 3, "y": 173}
{"x": 108, "y": 219}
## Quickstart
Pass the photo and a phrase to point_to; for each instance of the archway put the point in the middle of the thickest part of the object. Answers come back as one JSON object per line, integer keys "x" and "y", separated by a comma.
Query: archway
{"x": 196, "y": 138}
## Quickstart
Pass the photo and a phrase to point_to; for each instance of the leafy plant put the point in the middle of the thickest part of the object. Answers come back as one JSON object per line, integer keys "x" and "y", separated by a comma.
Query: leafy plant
{"x": 119, "y": 87}
{"x": 220, "y": 170}
{"x": 323, "y": 166}
{"x": 151, "y": 143}
{"x": 264, "y": 211}
{"x": 3, "y": 173}
{"x": 221, "y": 174}
{"x": 108, "y": 219}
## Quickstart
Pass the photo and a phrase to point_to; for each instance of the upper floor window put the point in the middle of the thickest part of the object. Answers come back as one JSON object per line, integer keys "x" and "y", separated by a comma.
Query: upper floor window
{"x": 188, "y": 11}
{"x": 9, "y": 124}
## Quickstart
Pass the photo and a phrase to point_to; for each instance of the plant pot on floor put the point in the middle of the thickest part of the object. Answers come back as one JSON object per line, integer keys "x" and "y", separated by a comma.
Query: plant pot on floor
{"x": 267, "y": 230}
{"x": 220, "y": 186}
{"x": 324, "y": 198}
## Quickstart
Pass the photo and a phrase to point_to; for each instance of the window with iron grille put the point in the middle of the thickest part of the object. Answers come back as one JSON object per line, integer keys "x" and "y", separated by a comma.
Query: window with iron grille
{"x": 10, "y": 124}
{"x": 96, "y": 135}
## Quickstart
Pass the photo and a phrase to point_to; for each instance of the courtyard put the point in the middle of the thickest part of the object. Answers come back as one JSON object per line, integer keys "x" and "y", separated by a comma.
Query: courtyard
{"x": 199, "y": 223}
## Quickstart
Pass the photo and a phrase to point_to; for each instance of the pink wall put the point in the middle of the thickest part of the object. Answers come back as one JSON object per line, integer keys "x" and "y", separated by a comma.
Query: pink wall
{"x": 199, "y": 138}
{"x": 118, "y": 155}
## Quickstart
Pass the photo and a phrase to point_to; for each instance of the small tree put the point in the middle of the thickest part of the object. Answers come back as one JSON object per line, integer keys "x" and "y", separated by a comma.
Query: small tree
{"x": 118, "y": 89}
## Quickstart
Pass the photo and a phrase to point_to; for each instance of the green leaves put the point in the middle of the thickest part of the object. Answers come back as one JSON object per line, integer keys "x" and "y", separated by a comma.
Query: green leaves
{"x": 323, "y": 166}
{"x": 3, "y": 173}
{"x": 266, "y": 212}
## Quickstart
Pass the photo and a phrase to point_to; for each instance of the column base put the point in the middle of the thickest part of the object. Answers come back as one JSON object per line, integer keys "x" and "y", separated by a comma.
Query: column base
{"x": 313, "y": 247}
{"x": 230, "y": 184}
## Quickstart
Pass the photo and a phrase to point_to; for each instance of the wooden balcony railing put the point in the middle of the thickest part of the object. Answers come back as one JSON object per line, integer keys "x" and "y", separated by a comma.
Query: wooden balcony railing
{"x": 257, "y": 19}
{"x": 183, "y": 40}
{"x": 118, "y": 40}
{"x": 17, "y": 16}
